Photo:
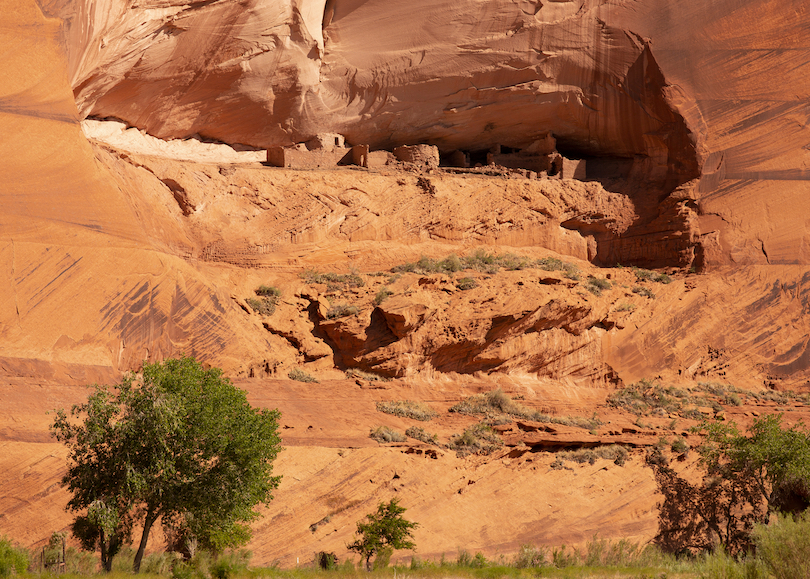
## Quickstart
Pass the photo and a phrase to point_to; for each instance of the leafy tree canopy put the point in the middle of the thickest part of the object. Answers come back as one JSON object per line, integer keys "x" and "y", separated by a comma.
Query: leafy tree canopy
{"x": 747, "y": 476}
{"x": 385, "y": 529}
{"x": 180, "y": 445}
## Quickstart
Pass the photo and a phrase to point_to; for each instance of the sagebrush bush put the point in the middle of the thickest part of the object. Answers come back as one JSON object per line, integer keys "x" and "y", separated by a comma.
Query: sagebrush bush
{"x": 643, "y": 291}
{"x": 613, "y": 452}
{"x": 371, "y": 377}
{"x": 530, "y": 556}
{"x": 408, "y": 409}
{"x": 466, "y": 283}
{"x": 384, "y": 434}
{"x": 596, "y": 285}
{"x": 382, "y": 295}
{"x": 333, "y": 281}
{"x": 420, "y": 434}
{"x": 341, "y": 311}
{"x": 265, "y": 303}
{"x": 496, "y": 404}
{"x": 477, "y": 439}
{"x": 648, "y": 275}
{"x": 300, "y": 376}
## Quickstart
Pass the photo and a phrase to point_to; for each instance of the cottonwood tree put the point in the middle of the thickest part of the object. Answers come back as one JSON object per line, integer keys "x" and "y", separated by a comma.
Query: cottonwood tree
{"x": 746, "y": 478}
{"x": 178, "y": 445}
{"x": 385, "y": 529}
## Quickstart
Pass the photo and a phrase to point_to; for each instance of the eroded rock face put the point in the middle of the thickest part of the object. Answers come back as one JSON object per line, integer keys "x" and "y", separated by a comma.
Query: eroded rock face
{"x": 653, "y": 90}
{"x": 466, "y": 75}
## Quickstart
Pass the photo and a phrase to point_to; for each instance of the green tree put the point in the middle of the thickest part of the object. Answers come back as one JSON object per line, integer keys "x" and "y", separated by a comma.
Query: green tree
{"x": 385, "y": 529}
{"x": 775, "y": 458}
{"x": 179, "y": 445}
{"x": 746, "y": 477}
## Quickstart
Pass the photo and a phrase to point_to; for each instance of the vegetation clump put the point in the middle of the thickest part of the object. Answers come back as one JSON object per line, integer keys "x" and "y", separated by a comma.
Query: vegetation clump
{"x": 420, "y": 434}
{"x": 746, "y": 479}
{"x": 466, "y": 283}
{"x": 386, "y": 434}
{"x": 615, "y": 453}
{"x": 341, "y": 311}
{"x": 265, "y": 303}
{"x": 333, "y": 281}
{"x": 300, "y": 375}
{"x": 643, "y": 291}
{"x": 383, "y": 294}
{"x": 647, "y": 397}
{"x": 596, "y": 285}
{"x": 485, "y": 262}
{"x": 408, "y": 409}
{"x": 477, "y": 439}
{"x": 496, "y": 404}
{"x": 649, "y": 275}
{"x": 13, "y": 560}
{"x": 363, "y": 375}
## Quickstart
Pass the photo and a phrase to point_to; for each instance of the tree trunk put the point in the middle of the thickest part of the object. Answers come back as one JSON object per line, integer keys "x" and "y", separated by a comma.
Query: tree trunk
{"x": 151, "y": 517}
{"x": 106, "y": 560}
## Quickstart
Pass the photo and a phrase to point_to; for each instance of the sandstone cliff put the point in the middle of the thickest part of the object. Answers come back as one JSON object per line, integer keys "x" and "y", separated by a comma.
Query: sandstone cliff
{"x": 115, "y": 254}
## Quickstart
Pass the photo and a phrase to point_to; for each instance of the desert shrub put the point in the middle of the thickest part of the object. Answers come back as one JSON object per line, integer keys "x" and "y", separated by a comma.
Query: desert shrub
{"x": 626, "y": 307}
{"x": 160, "y": 563}
{"x": 230, "y": 564}
{"x": 265, "y": 303}
{"x": 477, "y": 561}
{"x": 371, "y": 377}
{"x": 647, "y": 396}
{"x": 268, "y": 291}
{"x": 262, "y": 306}
{"x": 384, "y": 434}
{"x": 648, "y": 275}
{"x": 784, "y": 546}
{"x": 561, "y": 557}
{"x": 422, "y": 435}
{"x": 496, "y": 404}
{"x": 477, "y": 439}
{"x": 529, "y": 556}
{"x": 717, "y": 564}
{"x": 603, "y": 553}
{"x": 596, "y": 285}
{"x": 198, "y": 567}
{"x": 679, "y": 446}
{"x": 13, "y": 560}
{"x": 426, "y": 265}
{"x": 617, "y": 454}
{"x": 550, "y": 264}
{"x": 643, "y": 291}
{"x": 333, "y": 281}
{"x": 300, "y": 376}
{"x": 466, "y": 283}
{"x": 326, "y": 560}
{"x": 382, "y": 295}
{"x": 341, "y": 311}
{"x": 570, "y": 270}
{"x": 408, "y": 409}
